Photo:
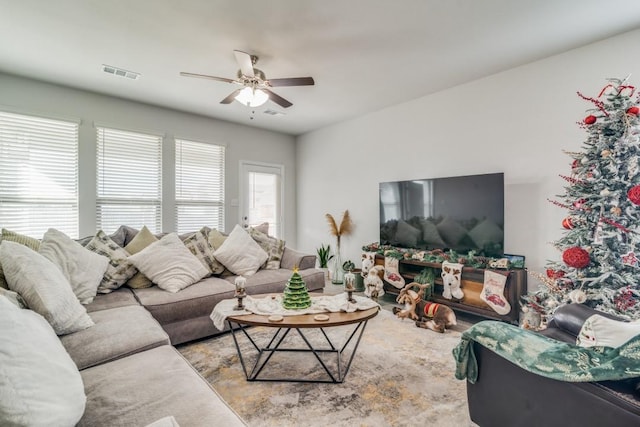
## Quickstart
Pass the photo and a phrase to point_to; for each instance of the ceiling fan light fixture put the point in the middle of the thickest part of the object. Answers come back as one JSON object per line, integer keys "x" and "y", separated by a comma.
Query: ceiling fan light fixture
{"x": 252, "y": 97}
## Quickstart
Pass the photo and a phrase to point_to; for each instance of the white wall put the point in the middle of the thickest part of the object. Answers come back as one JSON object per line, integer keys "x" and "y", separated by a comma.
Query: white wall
{"x": 516, "y": 122}
{"x": 242, "y": 142}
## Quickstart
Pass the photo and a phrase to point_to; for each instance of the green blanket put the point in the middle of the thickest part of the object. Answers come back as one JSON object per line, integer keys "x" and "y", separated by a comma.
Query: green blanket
{"x": 545, "y": 356}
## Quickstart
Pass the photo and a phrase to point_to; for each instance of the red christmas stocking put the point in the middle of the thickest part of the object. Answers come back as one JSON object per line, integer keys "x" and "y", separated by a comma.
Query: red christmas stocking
{"x": 391, "y": 273}
{"x": 493, "y": 292}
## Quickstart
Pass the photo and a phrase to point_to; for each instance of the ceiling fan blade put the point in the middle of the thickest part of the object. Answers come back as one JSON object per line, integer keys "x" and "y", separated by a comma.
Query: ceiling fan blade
{"x": 292, "y": 81}
{"x": 204, "y": 76}
{"x": 245, "y": 63}
{"x": 278, "y": 99}
{"x": 232, "y": 96}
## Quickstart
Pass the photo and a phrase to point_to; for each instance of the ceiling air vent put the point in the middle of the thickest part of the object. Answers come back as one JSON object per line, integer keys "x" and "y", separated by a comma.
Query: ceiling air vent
{"x": 273, "y": 112}
{"x": 120, "y": 72}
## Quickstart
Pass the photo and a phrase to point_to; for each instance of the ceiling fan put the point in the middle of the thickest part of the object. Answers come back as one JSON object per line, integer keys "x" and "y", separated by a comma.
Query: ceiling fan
{"x": 256, "y": 89}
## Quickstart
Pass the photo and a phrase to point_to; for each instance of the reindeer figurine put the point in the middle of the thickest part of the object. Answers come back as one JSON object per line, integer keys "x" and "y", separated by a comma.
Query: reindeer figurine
{"x": 410, "y": 298}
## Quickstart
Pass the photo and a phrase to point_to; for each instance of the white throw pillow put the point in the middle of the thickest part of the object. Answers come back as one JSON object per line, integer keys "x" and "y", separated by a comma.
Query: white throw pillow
{"x": 240, "y": 253}
{"x": 39, "y": 383}
{"x": 169, "y": 264}
{"x": 43, "y": 287}
{"x": 82, "y": 268}
{"x": 600, "y": 331}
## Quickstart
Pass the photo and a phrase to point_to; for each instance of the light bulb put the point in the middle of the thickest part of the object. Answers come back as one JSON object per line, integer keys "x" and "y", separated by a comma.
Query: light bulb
{"x": 252, "y": 97}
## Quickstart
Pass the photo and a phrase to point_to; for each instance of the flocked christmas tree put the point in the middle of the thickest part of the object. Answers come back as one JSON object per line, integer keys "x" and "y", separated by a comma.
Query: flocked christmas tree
{"x": 600, "y": 248}
{"x": 296, "y": 295}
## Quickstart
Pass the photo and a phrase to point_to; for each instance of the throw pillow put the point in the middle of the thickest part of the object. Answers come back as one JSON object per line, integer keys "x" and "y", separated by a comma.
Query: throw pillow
{"x": 117, "y": 236}
{"x": 240, "y": 253}
{"x": 119, "y": 269}
{"x": 263, "y": 228}
{"x": 143, "y": 239}
{"x": 39, "y": 383}
{"x": 198, "y": 244}
{"x": 43, "y": 287}
{"x": 169, "y": 264}
{"x": 407, "y": 235}
{"x": 430, "y": 235}
{"x": 216, "y": 238}
{"x": 272, "y": 246}
{"x": 82, "y": 268}
{"x": 451, "y": 231}
{"x": 486, "y": 232}
{"x": 601, "y": 331}
{"x": 12, "y": 236}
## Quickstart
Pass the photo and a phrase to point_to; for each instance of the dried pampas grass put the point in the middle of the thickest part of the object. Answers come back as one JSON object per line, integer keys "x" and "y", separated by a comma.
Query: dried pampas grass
{"x": 344, "y": 229}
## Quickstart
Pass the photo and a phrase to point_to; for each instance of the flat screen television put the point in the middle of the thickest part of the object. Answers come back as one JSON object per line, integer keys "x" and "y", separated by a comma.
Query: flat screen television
{"x": 461, "y": 213}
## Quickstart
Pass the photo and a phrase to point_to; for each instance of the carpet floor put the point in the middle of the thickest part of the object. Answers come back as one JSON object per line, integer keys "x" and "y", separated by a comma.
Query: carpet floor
{"x": 401, "y": 376}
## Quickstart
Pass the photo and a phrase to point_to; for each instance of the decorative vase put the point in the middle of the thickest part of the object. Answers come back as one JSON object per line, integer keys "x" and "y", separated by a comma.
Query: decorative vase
{"x": 337, "y": 272}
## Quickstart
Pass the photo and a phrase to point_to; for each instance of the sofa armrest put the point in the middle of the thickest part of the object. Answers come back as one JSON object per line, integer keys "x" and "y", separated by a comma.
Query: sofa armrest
{"x": 292, "y": 258}
{"x": 570, "y": 318}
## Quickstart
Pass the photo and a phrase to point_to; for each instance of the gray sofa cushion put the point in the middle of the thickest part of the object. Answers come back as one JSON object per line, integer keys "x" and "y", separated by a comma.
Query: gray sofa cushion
{"x": 185, "y": 314}
{"x": 196, "y": 300}
{"x": 118, "y": 332}
{"x": 292, "y": 258}
{"x": 118, "y": 298}
{"x": 273, "y": 281}
{"x": 176, "y": 312}
{"x": 140, "y": 389}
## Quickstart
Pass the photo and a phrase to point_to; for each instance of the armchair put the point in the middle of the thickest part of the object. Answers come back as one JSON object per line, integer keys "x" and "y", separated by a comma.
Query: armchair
{"x": 505, "y": 394}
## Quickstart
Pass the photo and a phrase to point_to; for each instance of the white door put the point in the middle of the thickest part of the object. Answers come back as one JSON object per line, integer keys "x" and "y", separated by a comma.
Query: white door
{"x": 261, "y": 195}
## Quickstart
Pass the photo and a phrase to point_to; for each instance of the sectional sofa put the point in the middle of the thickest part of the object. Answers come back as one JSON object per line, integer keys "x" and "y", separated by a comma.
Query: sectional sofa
{"x": 122, "y": 370}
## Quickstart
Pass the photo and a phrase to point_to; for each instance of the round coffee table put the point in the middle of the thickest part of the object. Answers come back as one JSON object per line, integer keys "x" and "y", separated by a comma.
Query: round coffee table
{"x": 239, "y": 325}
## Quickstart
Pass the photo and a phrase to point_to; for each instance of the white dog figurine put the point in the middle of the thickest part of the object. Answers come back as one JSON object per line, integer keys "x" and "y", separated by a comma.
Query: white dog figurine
{"x": 368, "y": 261}
{"x": 373, "y": 285}
{"x": 451, "y": 280}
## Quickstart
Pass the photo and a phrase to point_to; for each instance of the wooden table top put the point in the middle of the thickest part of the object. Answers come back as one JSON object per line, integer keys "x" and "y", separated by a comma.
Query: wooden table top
{"x": 305, "y": 320}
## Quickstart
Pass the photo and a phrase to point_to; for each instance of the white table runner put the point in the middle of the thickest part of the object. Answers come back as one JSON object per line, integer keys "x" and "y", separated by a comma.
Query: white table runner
{"x": 273, "y": 305}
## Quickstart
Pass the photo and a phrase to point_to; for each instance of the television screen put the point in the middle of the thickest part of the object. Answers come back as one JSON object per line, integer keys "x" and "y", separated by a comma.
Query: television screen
{"x": 462, "y": 213}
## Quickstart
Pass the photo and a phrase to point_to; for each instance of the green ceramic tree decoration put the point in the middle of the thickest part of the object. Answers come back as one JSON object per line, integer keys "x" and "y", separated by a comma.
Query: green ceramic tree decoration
{"x": 296, "y": 295}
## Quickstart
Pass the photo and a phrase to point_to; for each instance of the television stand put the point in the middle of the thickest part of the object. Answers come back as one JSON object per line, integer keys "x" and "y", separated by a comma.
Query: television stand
{"x": 472, "y": 281}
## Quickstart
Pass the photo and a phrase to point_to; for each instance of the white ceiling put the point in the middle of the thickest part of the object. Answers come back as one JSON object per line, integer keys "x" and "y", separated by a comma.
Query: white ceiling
{"x": 364, "y": 55}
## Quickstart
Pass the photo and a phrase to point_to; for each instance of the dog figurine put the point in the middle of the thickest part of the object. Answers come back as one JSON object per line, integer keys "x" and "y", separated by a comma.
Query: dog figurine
{"x": 437, "y": 317}
{"x": 368, "y": 261}
{"x": 451, "y": 280}
{"x": 410, "y": 298}
{"x": 373, "y": 285}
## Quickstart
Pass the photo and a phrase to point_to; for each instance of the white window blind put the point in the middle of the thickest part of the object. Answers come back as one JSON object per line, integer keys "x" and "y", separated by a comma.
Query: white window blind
{"x": 129, "y": 180}
{"x": 200, "y": 172}
{"x": 38, "y": 175}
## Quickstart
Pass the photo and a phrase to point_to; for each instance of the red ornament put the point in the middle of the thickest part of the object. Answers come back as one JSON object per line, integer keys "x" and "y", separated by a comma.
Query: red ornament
{"x": 568, "y": 223}
{"x": 554, "y": 274}
{"x": 633, "y": 111}
{"x": 634, "y": 194}
{"x": 576, "y": 257}
{"x": 590, "y": 119}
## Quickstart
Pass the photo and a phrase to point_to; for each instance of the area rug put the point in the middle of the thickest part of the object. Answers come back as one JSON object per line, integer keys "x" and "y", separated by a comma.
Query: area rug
{"x": 401, "y": 375}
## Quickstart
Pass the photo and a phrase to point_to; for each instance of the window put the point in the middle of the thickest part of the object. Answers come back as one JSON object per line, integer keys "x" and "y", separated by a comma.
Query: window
{"x": 199, "y": 185}
{"x": 129, "y": 180}
{"x": 38, "y": 174}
